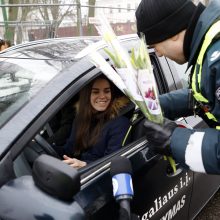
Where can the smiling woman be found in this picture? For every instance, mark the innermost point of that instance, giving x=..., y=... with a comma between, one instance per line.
x=101, y=95
x=97, y=129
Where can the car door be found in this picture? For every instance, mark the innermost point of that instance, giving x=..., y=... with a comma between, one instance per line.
x=156, y=195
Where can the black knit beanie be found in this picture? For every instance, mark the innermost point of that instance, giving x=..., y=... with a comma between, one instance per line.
x=162, y=19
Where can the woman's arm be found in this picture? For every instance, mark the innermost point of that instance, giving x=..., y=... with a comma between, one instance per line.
x=110, y=141
x=73, y=162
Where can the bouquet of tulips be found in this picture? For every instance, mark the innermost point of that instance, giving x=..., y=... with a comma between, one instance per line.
x=133, y=74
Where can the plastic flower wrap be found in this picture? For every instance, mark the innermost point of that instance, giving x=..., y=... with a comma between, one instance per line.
x=146, y=81
x=104, y=66
x=140, y=59
x=122, y=63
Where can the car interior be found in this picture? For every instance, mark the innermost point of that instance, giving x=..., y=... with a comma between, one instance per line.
x=57, y=130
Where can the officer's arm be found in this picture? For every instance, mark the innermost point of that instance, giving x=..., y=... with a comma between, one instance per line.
x=197, y=149
x=176, y=104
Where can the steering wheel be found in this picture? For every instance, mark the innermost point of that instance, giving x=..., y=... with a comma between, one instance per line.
x=46, y=146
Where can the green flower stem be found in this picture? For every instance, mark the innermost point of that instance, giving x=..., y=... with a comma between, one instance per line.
x=172, y=164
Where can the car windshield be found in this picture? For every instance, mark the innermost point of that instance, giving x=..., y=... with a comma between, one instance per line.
x=24, y=72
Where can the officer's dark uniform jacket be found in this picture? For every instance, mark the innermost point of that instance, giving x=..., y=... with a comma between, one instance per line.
x=199, y=149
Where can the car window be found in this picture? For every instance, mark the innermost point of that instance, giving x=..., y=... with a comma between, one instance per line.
x=25, y=72
x=52, y=137
x=181, y=70
x=47, y=139
x=55, y=132
x=18, y=84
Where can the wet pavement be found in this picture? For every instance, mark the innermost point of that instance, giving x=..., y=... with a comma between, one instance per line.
x=212, y=210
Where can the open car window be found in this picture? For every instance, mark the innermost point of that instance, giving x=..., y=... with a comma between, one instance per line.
x=57, y=129
x=51, y=138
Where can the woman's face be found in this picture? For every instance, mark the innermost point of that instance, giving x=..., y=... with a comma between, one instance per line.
x=100, y=97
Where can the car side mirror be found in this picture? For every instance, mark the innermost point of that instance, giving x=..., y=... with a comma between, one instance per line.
x=55, y=177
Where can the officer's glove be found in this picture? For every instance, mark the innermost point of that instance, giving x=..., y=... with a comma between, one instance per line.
x=159, y=136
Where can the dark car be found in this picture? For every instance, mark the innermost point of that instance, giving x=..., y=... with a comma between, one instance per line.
x=40, y=80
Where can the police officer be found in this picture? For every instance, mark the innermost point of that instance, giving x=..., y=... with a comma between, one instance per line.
x=184, y=32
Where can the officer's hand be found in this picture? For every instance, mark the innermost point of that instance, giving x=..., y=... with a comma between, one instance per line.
x=159, y=136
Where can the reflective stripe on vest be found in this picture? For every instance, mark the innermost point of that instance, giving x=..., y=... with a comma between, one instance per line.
x=196, y=78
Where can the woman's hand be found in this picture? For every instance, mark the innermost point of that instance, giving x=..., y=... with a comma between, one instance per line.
x=73, y=162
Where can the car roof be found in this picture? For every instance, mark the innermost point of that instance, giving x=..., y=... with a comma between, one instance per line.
x=58, y=48
x=63, y=46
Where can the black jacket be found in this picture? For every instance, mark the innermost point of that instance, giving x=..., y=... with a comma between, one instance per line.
x=196, y=149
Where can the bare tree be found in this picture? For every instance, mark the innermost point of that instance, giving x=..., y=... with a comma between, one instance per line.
x=53, y=16
x=16, y=15
x=12, y=16
x=91, y=13
x=23, y=13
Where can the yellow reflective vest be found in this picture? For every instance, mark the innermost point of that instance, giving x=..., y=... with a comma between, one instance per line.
x=197, y=72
